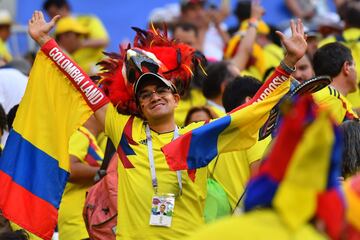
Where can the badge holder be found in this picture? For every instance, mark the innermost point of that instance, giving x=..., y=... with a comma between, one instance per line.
x=162, y=210
x=162, y=205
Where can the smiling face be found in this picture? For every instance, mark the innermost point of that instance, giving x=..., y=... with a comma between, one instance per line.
x=156, y=100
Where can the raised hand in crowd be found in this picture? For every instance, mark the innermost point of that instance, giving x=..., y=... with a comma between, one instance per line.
x=39, y=29
x=295, y=46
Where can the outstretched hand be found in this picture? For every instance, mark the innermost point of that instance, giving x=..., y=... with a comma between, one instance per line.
x=39, y=29
x=295, y=45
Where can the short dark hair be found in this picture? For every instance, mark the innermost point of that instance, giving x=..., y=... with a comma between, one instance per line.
x=58, y=3
x=330, y=58
x=351, y=150
x=242, y=10
x=217, y=73
x=187, y=27
x=237, y=90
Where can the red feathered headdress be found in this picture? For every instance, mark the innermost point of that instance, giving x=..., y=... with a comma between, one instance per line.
x=153, y=52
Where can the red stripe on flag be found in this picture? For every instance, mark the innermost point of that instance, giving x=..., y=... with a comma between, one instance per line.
x=179, y=162
x=284, y=148
x=25, y=209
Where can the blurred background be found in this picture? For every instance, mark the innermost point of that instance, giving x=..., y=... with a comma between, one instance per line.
x=119, y=16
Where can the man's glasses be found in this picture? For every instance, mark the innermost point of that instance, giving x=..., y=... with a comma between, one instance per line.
x=160, y=91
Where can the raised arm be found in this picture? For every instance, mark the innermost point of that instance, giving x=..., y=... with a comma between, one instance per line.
x=246, y=46
x=295, y=46
x=39, y=30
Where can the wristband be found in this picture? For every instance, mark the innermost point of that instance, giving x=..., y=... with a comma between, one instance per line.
x=286, y=68
x=253, y=22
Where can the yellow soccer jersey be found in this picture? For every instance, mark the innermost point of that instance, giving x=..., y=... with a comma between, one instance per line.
x=351, y=40
x=259, y=225
x=70, y=222
x=340, y=107
x=232, y=170
x=135, y=190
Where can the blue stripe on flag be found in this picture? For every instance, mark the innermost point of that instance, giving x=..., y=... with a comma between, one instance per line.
x=206, y=139
x=33, y=169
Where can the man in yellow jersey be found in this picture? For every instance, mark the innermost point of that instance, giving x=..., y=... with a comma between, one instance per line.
x=350, y=13
x=336, y=61
x=140, y=120
x=85, y=161
x=69, y=33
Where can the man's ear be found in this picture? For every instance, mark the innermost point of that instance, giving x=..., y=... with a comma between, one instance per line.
x=176, y=98
x=223, y=86
x=346, y=68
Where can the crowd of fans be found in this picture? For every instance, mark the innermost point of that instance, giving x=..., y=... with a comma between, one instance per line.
x=232, y=64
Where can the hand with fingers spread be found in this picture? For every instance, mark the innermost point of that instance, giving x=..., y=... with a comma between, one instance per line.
x=295, y=45
x=39, y=29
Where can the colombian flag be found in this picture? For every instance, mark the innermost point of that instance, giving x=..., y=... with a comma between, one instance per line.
x=299, y=177
x=235, y=131
x=34, y=166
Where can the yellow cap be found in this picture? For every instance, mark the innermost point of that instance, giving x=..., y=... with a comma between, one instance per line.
x=5, y=17
x=69, y=24
x=262, y=27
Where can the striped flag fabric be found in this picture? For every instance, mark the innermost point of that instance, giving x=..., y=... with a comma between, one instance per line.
x=34, y=166
x=235, y=131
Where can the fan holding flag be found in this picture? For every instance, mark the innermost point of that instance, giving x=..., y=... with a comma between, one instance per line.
x=144, y=84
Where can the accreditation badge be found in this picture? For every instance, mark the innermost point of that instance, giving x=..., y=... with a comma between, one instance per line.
x=162, y=210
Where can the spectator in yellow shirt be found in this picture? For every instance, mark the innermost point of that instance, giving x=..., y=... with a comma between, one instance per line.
x=5, y=31
x=335, y=60
x=96, y=38
x=85, y=161
x=350, y=12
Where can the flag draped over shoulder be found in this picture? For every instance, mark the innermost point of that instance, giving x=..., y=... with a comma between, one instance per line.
x=34, y=166
x=235, y=131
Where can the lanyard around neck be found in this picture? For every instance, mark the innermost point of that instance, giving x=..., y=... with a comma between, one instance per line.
x=152, y=162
